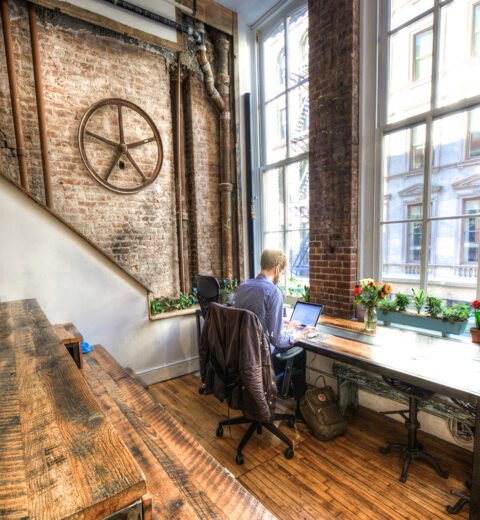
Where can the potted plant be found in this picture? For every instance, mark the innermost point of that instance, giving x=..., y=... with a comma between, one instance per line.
x=447, y=320
x=475, y=331
x=227, y=290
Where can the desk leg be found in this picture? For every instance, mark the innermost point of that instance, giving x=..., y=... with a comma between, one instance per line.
x=475, y=491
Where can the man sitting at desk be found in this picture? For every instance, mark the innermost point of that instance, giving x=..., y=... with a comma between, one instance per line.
x=261, y=296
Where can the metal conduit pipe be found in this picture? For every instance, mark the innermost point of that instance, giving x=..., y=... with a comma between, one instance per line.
x=180, y=173
x=42, y=126
x=157, y=18
x=221, y=100
x=12, y=81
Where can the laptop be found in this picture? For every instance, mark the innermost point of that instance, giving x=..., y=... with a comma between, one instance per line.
x=306, y=313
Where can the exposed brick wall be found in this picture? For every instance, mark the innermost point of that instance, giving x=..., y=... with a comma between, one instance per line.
x=334, y=127
x=82, y=64
x=203, y=177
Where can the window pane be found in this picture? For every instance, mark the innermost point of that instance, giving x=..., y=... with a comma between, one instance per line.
x=409, y=82
x=297, y=255
x=275, y=130
x=459, y=69
x=298, y=107
x=476, y=30
x=297, y=196
x=298, y=46
x=402, y=171
x=474, y=133
x=414, y=234
x=403, y=273
x=274, y=66
x=456, y=168
x=273, y=241
x=273, y=197
x=450, y=277
x=404, y=10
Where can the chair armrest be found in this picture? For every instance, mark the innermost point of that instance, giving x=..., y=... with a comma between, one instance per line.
x=290, y=353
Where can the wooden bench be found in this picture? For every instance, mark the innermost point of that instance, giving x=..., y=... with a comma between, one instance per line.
x=351, y=378
x=59, y=456
x=72, y=339
x=183, y=479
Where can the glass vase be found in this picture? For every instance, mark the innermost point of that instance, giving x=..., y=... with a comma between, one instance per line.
x=370, y=319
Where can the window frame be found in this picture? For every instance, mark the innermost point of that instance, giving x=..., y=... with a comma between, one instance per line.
x=475, y=53
x=261, y=30
x=414, y=51
x=374, y=126
x=463, y=231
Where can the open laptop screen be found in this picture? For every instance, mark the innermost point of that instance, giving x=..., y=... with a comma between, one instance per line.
x=306, y=313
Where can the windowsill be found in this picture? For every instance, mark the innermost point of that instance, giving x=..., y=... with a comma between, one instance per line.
x=173, y=314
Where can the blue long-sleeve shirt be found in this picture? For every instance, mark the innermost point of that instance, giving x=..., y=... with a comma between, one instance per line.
x=262, y=297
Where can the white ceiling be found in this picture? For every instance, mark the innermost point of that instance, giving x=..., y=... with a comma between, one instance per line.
x=249, y=10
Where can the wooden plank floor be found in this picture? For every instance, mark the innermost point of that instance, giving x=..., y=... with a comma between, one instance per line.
x=343, y=478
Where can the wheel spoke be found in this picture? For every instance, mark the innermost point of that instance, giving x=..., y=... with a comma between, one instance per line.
x=113, y=163
x=120, y=124
x=101, y=138
x=135, y=165
x=139, y=143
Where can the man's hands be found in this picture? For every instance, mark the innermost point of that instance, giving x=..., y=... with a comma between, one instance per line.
x=297, y=332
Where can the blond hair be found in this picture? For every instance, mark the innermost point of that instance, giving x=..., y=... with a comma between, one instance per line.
x=272, y=258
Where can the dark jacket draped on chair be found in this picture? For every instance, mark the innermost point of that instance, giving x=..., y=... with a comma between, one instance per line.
x=235, y=362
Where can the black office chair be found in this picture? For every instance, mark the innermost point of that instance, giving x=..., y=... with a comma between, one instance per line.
x=413, y=449
x=232, y=383
x=208, y=291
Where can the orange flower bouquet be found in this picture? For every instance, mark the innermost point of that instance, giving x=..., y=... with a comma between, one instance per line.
x=368, y=293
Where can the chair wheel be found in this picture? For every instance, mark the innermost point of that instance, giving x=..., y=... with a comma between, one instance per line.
x=291, y=423
x=289, y=453
x=219, y=432
x=239, y=459
x=201, y=390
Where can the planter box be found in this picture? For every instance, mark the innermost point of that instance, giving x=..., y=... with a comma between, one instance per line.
x=422, y=322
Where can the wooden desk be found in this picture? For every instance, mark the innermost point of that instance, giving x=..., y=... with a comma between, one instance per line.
x=444, y=366
x=59, y=455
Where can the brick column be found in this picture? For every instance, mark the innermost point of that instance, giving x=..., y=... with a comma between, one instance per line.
x=334, y=100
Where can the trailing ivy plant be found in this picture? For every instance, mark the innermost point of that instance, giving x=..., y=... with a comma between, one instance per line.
x=401, y=302
x=433, y=306
x=169, y=304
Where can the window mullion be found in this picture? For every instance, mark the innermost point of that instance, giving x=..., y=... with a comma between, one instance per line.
x=427, y=171
x=435, y=55
x=287, y=75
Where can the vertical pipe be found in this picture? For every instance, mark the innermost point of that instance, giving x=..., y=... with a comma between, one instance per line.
x=42, y=126
x=12, y=81
x=179, y=176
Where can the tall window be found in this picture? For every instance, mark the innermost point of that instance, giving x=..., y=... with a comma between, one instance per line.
x=427, y=115
x=476, y=30
x=414, y=239
x=284, y=147
x=471, y=231
x=474, y=133
x=422, y=58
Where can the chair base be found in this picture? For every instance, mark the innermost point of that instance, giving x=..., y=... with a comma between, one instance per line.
x=256, y=426
x=413, y=453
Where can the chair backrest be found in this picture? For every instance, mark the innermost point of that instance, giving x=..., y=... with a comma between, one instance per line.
x=208, y=291
x=233, y=349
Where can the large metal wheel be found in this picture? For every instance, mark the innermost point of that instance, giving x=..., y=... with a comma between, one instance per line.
x=121, y=172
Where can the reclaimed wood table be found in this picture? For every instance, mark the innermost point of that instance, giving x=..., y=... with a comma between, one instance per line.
x=59, y=455
x=444, y=366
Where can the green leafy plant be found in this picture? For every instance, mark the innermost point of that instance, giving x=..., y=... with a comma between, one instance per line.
x=228, y=286
x=169, y=304
x=418, y=299
x=457, y=312
x=401, y=301
x=306, y=293
x=433, y=306
x=387, y=306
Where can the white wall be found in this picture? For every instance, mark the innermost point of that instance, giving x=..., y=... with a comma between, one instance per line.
x=41, y=258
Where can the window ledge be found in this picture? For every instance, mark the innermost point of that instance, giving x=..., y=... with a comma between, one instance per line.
x=173, y=314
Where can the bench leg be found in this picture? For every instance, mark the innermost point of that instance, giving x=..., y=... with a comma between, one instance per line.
x=347, y=395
